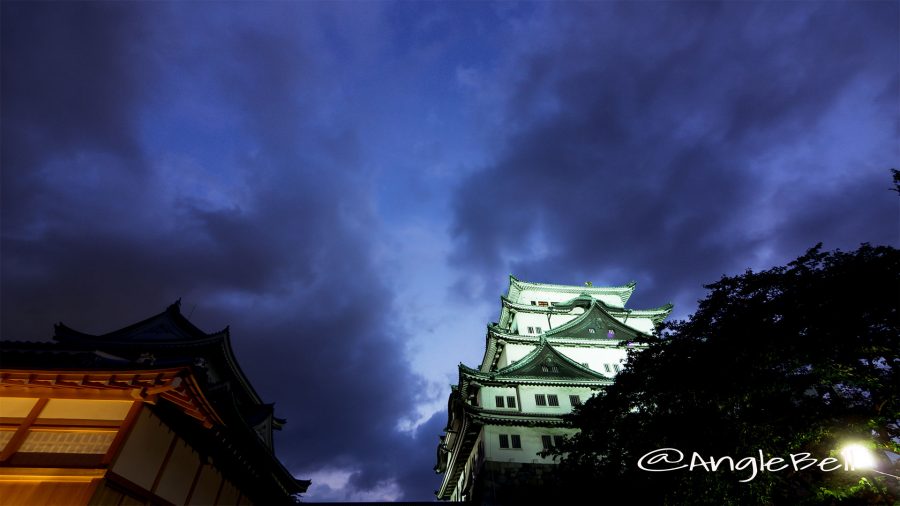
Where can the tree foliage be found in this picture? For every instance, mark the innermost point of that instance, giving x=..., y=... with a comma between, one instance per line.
x=799, y=358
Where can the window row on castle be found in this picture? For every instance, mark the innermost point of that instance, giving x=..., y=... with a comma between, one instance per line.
x=555, y=369
x=610, y=334
x=514, y=441
x=553, y=400
x=509, y=401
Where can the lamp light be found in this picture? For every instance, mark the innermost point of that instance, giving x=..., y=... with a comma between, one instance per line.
x=858, y=456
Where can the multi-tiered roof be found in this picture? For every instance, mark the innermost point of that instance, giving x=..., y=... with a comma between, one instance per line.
x=190, y=377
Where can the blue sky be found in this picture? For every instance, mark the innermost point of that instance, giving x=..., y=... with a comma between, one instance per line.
x=348, y=184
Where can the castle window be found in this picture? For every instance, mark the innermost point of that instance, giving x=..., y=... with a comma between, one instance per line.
x=616, y=367
x=553, y=400
x=557, y=441
x=499, y=400
x=510, y=441
x=543, y=303
x=540, y=399
x=533, y=303
x=531, y=330
x=592, y=331
x=575, y=400
x=537, y=330
x=606, y=367
x=511, y=401
x=547, y=441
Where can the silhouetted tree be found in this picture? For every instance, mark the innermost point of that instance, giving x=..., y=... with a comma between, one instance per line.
x=799, y=358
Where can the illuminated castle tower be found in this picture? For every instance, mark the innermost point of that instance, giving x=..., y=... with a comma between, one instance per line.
x=553, y=347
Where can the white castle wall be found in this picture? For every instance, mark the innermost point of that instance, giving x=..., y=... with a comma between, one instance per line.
x=529, y=294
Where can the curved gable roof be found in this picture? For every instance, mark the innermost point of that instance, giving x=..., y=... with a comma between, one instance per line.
x=594, y=323
x=543, y=362
x=546, y=362
x=170, y=326
x=162, y=338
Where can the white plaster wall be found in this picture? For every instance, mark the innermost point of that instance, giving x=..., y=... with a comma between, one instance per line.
x=143, y=452
x=528, y=295
x=487, y=397
x=595, y=357
x=179, y=473
x=642, y=324
x=558, y=320
x=531, y=443
x=610, y=300
x=514, y=352
x=525, y=320
x=525, y=401
x=528, y=404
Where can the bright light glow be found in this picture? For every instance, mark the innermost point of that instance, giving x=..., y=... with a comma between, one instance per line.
x=858, y=456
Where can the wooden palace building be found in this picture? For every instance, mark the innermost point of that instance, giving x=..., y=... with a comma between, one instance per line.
x=552, y=348
x=158, y=412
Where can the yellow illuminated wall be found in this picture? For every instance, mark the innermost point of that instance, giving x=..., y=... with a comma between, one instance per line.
x=80, y=451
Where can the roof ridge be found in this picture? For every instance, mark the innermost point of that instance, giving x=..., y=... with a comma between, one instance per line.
x=627, y=286
x=172, y=314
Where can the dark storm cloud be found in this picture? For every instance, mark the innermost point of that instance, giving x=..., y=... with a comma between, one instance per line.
x=98, y=232
x=58, y=104
x=78, y=99
x=247, y=157
x=643, y=142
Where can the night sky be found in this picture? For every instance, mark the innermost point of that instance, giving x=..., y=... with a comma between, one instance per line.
x=349, y=184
